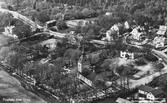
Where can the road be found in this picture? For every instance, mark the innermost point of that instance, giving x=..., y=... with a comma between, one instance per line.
x=20, y=17
x=29, y=22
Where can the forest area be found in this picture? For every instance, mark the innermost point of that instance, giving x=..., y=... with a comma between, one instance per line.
x=151, y=12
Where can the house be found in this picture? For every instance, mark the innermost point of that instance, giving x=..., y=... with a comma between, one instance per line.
x=115, y=27
x=159, y=41
x=162, y=30
x=9, y=32
x=151, y=94
x=126, y=55
x=114, y=30
x=126, y=25
x=108, y=35
x=137, y=33
x=108, y=13
x=50, y=23
x=121, y=100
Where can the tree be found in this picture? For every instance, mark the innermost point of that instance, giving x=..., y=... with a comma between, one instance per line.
x=108, y=21
x=6, y=19
x=141, y=19
x=16, y=22
x=29, y=69
x=136, y=7
x=90, y=31
x=159, y=66
x=88, y=13
x=55, y=13
x=160, y=82
x=17, y=61
x=150, y=57
x=72, y=55
x=61, y=25
x=22, y=31
x=106, y=64
x=43, y=16
x=17, y=3
x=140, y=62
x=124, y=72
x=58, y=62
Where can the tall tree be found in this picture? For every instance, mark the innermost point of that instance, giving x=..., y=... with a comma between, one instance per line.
x=22, y=31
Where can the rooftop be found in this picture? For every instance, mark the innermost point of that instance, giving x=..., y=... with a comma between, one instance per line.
x=146, y=88
x=155, y=92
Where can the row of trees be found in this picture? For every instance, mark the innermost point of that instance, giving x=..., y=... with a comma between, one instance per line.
x=52, y=75
x=20, y=29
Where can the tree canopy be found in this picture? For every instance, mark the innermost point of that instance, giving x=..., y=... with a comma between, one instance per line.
x=22, y=31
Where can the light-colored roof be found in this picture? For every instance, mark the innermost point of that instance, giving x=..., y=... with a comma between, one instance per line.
x=162, y=30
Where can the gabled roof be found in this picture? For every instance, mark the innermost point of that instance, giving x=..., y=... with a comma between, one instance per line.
x=146, y=88
x=155, y=92
x=162, y=30
x=158, y=93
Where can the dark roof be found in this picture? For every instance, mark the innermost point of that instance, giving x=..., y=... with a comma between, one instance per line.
x=158, y=93
x=146, y=88
x=155, y=92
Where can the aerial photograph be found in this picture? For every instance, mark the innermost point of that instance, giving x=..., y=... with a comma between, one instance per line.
x=83, y=51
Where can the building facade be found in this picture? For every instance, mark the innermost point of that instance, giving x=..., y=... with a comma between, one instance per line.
x=147, y=93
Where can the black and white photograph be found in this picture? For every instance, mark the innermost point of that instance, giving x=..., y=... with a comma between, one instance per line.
x=83, y=51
